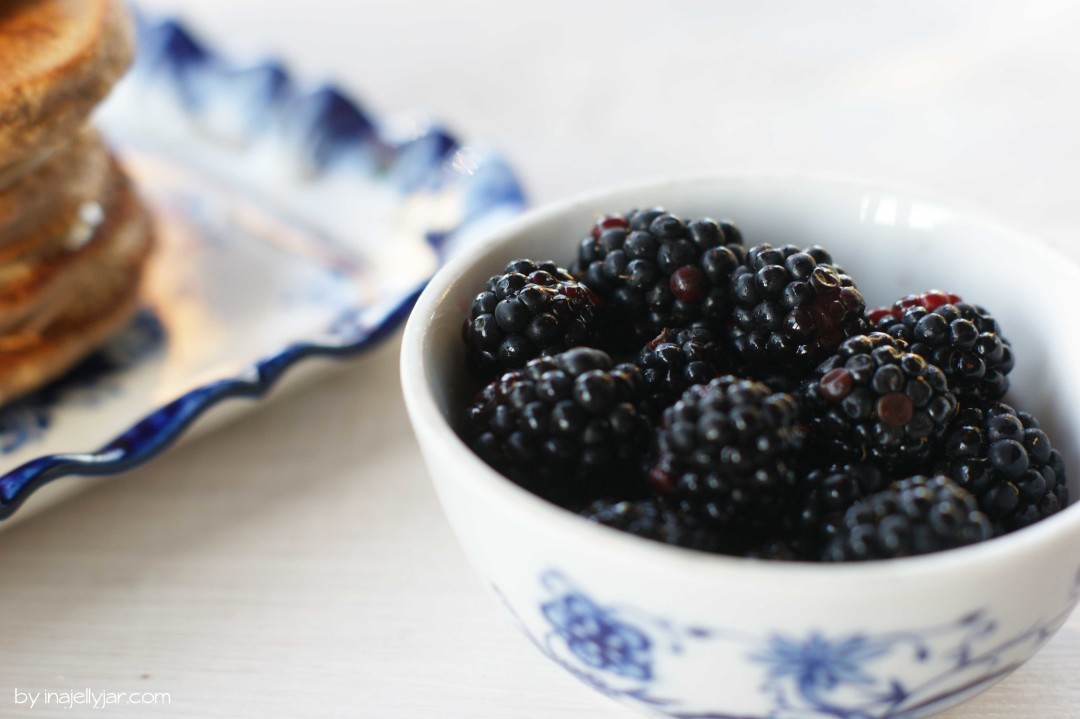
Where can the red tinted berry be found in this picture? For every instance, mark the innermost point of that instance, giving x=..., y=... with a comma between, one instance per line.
x=934, y=298
x=895, y=409
x=608, y=222
x=904, y=302
x=836, y=384
x=929, y=300
x=689, y=284
x=878, y=313
x=660, y=480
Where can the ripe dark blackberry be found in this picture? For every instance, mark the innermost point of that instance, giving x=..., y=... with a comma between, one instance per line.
x=728, y=450
x=792, y=308
x=656, y=270
x=676, y=359
x=652, y=518
x=566, y=426
x=1005, y=460
x=918, y=515
x=532, y=309
x=874, y=401
x=826, y=495
x=963, y=340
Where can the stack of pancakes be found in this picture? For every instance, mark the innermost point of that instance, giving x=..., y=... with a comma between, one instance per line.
x=74, y=237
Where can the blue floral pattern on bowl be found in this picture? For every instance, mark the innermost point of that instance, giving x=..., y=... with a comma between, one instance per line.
x=292, y=224
x=632, y=656
x=599, y=638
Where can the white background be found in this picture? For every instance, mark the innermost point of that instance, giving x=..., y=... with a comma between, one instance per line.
x=296, y=564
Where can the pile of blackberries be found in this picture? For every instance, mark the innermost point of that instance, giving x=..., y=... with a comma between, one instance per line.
x=679, y=385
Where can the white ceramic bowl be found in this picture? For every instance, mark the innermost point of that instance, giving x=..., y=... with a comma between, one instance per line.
x=689, y=634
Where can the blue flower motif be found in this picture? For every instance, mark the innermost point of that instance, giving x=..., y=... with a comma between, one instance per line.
x=600, y=639
x=810, y=675
x=143, y=336
x=818, y=663
x=21, y=422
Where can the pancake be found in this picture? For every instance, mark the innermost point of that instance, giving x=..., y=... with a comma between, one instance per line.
x=37, y=209
x=99, y=296
x=33, y=291
x=125, y=240
x=58, y=60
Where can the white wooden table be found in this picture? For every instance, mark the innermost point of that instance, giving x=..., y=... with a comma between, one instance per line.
x=296, y=564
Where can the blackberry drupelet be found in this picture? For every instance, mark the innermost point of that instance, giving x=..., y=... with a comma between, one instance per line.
x=532, y=309
x=1005, y=460
x=918, y=515
x=728, y=450
x=963, y=340
x=792, y=308
x=826, y=494
x=566, y=426
x=876, y=402
x=655, y=270
x=676, y=359
x=653, y=518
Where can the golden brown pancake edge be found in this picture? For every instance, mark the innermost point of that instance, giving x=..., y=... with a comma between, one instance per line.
x=58, y=61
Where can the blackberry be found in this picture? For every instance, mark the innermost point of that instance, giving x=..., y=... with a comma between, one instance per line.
x=792, y=308
x=728, y=450
x=655, y=270
x=773, y=549
x=963, y=340
x=566, y=426
x=827, y=493
x=676, y=359
x=918, y=515
x=532, y=309
x=929, y=300
x=874, y=401
x=652, y=518
x=1005, y=460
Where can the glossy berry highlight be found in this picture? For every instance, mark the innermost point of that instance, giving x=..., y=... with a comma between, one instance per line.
x=531, y=309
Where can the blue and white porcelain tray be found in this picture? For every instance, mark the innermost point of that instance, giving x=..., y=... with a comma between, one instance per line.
x=291, y=224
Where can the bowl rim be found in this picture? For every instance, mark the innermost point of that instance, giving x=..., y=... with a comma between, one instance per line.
x=424, y=412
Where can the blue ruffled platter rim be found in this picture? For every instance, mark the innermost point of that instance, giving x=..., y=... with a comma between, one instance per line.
x=174, y=54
